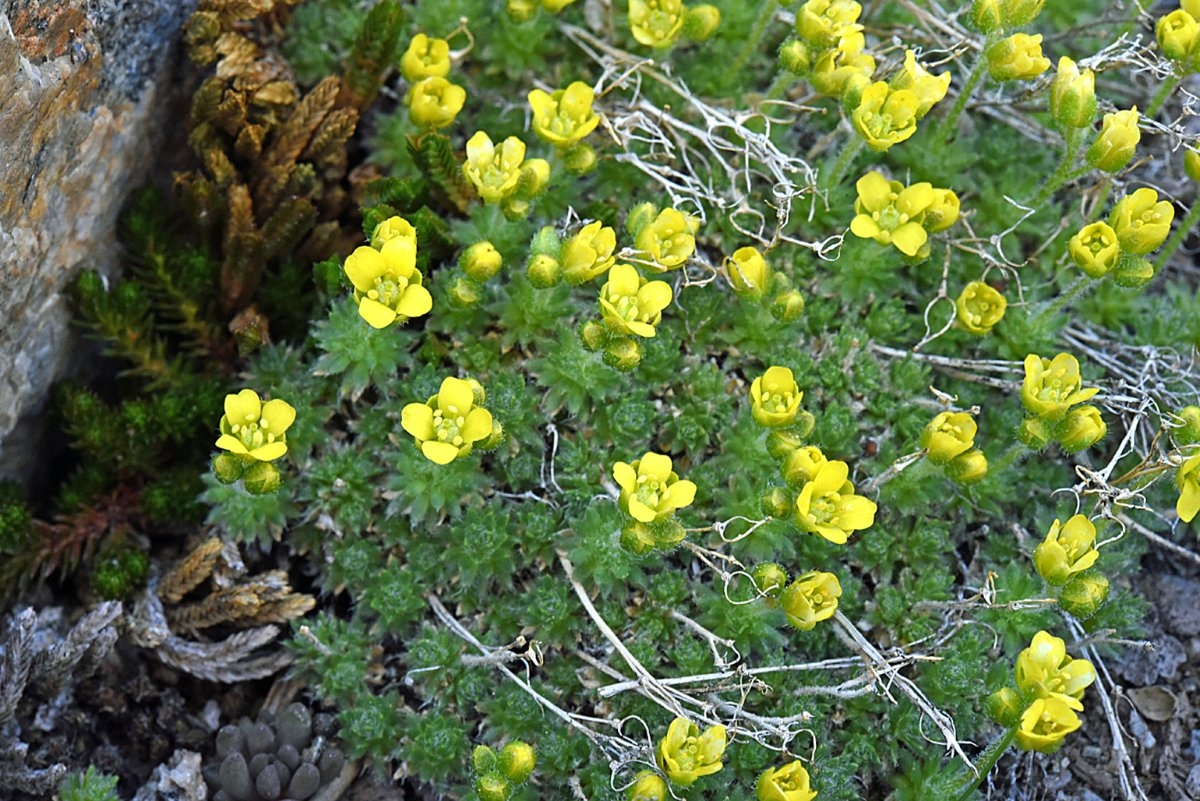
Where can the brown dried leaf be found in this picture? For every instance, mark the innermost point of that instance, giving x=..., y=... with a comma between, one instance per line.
x=276, y=93
x=231, y=660
x=188, y=573
x=249, y=142
x=295, y=133
x=329, y=142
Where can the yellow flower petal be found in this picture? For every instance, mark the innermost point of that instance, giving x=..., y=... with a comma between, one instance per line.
x=455, y=397
x=909, y=238
x=655, y=466
x=679, y=495
x=623, y=280
x=654, y=297
x=477, y=426
x=400, y=255
x=1189, y=501
x=229, y=443
x=375, y=313
x=270, y=451
x=363, y=266
x=640, y=511
x=439, y=452
x=277, y=415
x=415, y=301
x=242, y=408
x=417, y=419
x=644, y=330
x=625, y=476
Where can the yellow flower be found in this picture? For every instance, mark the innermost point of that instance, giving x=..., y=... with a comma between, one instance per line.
x=669, y=239
x=1115, y=145
x=425, y=58
x=435, y=102
x=775, y=398
x=494, y=172
x=828, y=507
x=650, y=489
x=387, y=283
x=748, y=272
x=255, y=429
x=1082, y=428
x=980, y=307
x=1187, y=478
x=656, y=23
x=788, y=783
x=647, y=786
x=1095, y=249
x=885, y=116
x=1067, y=550
x=948, y=435
x=1045, y=724
x=449, y=424
x=810, y=599
x=942, y=212
x=392, y=228
x=1045, y=671
x=802, y=464
x=1051, y=388
x=929, y=88
x=1017, y=58
x=555, y=6
x=1073, y=95
x=891, y=213
x=1141, y=221
x=822, y=23
x=565, y=117
x=967, y=468
x=631, y=305
x=844, y=68
x=1178, y=35
x=685, y=754
x=589, y=253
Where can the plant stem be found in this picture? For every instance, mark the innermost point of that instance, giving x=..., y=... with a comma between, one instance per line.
x=1014, y=452
x=1181, y=232
x=1063, y=172
x=976, y=75
x=1164, y=92
x=1081, y=285
x=755, y=37
x=987, y=760
x=845, y=159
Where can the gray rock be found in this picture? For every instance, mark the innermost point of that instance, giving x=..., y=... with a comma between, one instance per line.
x=1178, y=602
x=81, y=113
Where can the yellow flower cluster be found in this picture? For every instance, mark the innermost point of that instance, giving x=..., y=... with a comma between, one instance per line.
x=902, y=216
x=752, y=279
x=787, y=783
x=1052, y=684
x=887, y=113
x=651, y=493
x=685, y=754
x=452, y=422
x=979, y=307
x=828, y=48
x=1017, y=58
x=502, y=174
x=563, y=118
x=827, y=505
x=660, y=23
x=433, y=102
x=994, y=16
x=1050, y=390
x=254, y=434
x=666, y=238
x=1139, y=224
x=949, y=442
x=1178, y=35
x=387, y=284
x=1067, y=550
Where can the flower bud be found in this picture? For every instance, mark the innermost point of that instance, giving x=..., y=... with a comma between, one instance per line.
x=1005, y=706
x=593, y=335
x=637, y=538
x=1034, y=432
x=967, y=468
x=492, y=786
x=802, y=464
x=229, y=467
x=483, y=759
x=1018, y=13
x=1094, y=249
x=639, y=217
x=623, y=353
x=464, y=292
x=810, y=599
x=1082, y=428
x=543, y=271
x=517, y=761
x=701, y=22
x=535, y=174
x=481, y=261
x=425, y=58
x=979, y=307
x=1084, y=594
x=261, y=478
x=493, y=439
x=1188, y=433
x=748, y=273
x=1142, y=221
x=769, y=578
x=777, y=503
x=1067, y=550
x=1073, y=95
x=392, y=228
x=1115, y=145
x=1191, y=163
x=520, y=10
x=942, y=211
x=986, y=16
x=795, y=57
x=948, y=435
x=1132, y=272
x=647, y=786
x=579, y=158
x=1017, y=58
x=781, y=443
x=667, y=533
x=1178, y=35
x=788, y=306
x=435, y=102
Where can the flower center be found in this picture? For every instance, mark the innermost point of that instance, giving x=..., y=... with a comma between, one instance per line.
x=890, y=218
x=449, y=429
x=627, y=307
x=778, y=401
x=254, y=434
x=649, y=491
x=388, y=290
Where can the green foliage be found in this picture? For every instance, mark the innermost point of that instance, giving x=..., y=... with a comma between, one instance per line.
x=90, y=785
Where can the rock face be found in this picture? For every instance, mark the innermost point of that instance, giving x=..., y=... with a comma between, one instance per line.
x=82, y=84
